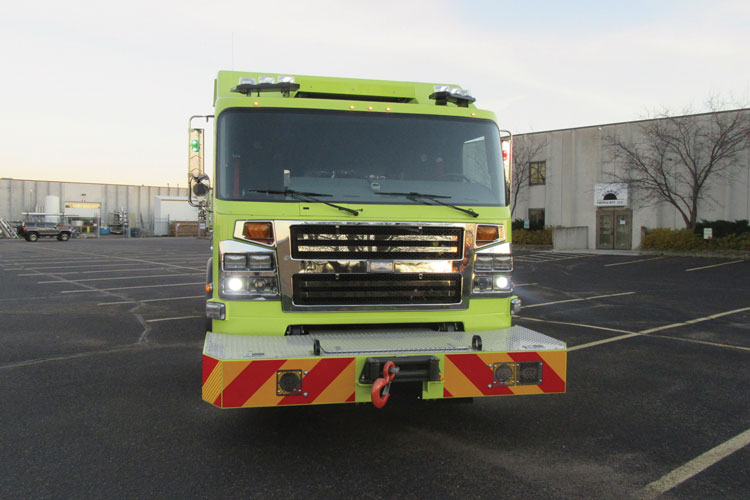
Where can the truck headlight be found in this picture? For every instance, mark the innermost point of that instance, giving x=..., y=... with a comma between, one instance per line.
x=235, y=284
x=501, y=283
x=262, y=286
x=483, y=263
x=248, y=262
x=493, y=262
x=247, y=272
x=260, y=262
x=235, y=261
x=488, y=283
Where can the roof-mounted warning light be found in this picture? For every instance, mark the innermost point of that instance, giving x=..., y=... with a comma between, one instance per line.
x=444, y=94
x=248, y=85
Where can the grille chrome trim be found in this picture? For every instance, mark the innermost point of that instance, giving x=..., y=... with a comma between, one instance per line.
x=349, y=241
x=289, y=266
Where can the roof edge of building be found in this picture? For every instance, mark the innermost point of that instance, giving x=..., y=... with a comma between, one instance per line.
x=611, y=124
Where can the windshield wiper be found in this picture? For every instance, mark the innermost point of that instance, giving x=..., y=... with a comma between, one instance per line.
x=432, y=197
x=305, y=196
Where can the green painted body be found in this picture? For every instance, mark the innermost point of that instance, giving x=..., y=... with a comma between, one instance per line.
x=247, y=317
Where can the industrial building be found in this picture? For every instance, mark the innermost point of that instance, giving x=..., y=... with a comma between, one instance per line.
x=149, y=210
x=570, y=186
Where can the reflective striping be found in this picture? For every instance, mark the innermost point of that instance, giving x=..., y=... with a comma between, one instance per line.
x=477, y=372
x=457, y=384
x=342, y=388
x=315, y=382
x=266, y=394
x=209, y=364
x=470, y=375
x=554, y=379
x=234, y=384
x=551, y=381
x=211, y=389
x=246, y=378
x=253, y=383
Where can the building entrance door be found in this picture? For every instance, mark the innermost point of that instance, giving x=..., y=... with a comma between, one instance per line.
x=614, y=229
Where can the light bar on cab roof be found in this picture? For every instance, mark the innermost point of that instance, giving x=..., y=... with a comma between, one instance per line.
x=444, y=94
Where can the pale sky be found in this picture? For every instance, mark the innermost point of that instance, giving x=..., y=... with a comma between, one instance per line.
x=97, y=91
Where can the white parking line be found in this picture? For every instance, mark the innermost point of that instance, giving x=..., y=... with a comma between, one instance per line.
x=632, y=262
x=693, y=321
x=151, y=300
x=577, y=300
x=117, y=278
x=97, y=272
x=131, y=287
x=46, y=268
x=603, y=341
x=705, y=342
x=715, y=265
x=171, y=319
x=694, y=467
x=143, y=261
x=577, y=324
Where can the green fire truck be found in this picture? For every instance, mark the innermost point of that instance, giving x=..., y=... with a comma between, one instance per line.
x=361, y=246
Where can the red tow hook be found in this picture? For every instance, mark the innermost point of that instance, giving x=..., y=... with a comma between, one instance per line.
x=379, y=399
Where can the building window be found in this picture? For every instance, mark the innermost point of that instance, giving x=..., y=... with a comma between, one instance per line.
x=537, y=173
x=536, y=218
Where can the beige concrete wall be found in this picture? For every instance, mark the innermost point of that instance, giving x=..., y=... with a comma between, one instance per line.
x=577, y=159
x=23, y=195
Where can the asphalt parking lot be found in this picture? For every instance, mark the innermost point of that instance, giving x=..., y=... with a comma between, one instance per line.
x=100, y=383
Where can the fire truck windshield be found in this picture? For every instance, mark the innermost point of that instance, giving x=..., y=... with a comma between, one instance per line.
x=354, y=156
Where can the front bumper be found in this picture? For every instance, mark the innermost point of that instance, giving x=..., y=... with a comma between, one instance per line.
x=241, y=371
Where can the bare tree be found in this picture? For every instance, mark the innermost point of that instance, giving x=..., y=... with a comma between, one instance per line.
x=674, y=159
x=526, y=149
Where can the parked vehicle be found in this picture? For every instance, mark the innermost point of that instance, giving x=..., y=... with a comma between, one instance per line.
x=36, y=231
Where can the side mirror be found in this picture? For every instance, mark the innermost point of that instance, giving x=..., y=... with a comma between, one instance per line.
x=506, y=150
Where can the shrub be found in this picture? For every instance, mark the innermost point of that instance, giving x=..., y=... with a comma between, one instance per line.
x=685, y=239
x=532, y=237
x=672, y=239
x=723, y=228
x=731, y=242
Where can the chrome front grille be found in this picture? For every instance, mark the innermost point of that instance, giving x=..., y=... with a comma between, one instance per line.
x=376, y=288
x=355, y=242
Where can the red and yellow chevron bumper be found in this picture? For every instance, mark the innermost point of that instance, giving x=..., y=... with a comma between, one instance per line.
x=325, y=378
x=243, y=384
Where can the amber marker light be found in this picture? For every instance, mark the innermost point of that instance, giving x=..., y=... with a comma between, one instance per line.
x=487, y=234
x=262, y=232
x=209, y=287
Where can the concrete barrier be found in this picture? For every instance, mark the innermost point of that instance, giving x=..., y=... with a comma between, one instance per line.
x=570, y=238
